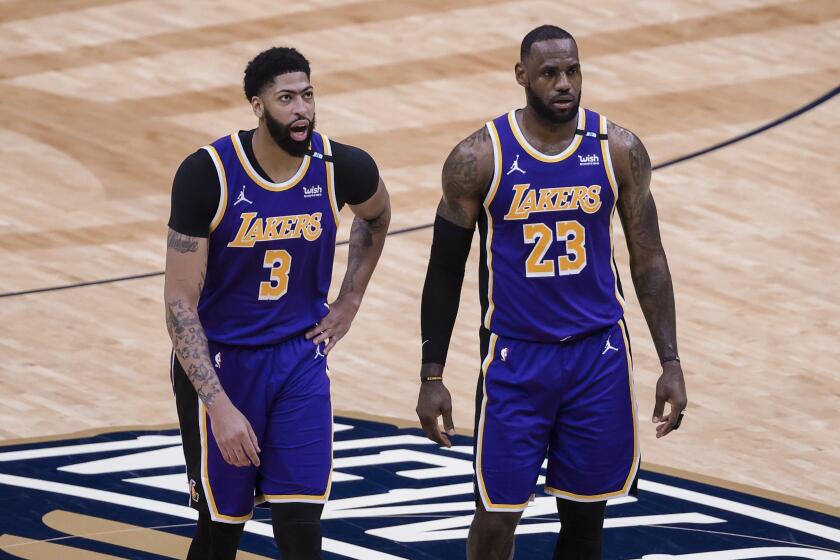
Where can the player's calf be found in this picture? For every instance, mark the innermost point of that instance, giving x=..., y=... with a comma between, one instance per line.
x=491, y=534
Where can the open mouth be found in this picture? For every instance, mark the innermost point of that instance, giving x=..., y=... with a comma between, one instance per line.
x=299, y=130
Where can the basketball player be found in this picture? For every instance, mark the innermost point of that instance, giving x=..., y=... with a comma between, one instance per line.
x=248, y=268
x=543, y=183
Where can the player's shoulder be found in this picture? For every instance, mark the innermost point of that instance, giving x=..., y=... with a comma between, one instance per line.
x=629, y=156
x=622, y=140
x=354, y=159
x=469, y=166
x=198, y=162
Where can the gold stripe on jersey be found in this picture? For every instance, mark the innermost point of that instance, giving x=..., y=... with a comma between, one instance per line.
x=605, y=153
x=485, y=497
x=491, y=193
x=634, y=466
x=252, y=173
x=205, y=476
x=535, y=153
x=330, y=177
x=223, y=197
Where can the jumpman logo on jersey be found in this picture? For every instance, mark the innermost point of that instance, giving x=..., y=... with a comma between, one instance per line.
x=241, y=197
x=609, y=347
x=218, y=360
x=515, y=166
x=318, y=352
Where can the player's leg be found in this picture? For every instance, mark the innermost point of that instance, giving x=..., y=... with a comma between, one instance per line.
x=594, y=452
x=297, y=530
x=223, y=494
x=491, y=534
x=296, y=467
x=515, y=419
x=214, y=540
x=581, y=525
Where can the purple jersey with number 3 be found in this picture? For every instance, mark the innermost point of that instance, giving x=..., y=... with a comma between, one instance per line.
x=548, y=268
x=271, y=249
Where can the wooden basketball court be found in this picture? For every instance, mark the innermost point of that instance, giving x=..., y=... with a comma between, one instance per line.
x=102, y=99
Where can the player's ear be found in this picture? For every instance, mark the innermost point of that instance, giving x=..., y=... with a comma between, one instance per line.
x=521, y=75
x=257, y=106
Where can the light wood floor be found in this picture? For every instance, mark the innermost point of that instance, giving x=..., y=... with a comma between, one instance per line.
x=101, y=99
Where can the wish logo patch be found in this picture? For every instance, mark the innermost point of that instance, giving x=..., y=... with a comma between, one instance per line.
x=395, y=496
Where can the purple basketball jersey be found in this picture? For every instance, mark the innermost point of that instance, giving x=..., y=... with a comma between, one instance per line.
x=271, y=248
x=548, y=271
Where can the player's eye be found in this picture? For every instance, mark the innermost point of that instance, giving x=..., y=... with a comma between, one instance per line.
x=309, y=94
x=548, y=72
x=285, y=98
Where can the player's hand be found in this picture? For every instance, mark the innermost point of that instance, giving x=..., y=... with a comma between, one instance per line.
x=233, y=433
x=335, y=325
x=434, y=401
x=671, y=389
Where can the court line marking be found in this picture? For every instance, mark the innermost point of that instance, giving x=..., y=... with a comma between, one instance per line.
x=714, y=147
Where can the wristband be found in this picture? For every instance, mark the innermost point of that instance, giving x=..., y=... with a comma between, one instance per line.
x=425, y=378
x=667, y=359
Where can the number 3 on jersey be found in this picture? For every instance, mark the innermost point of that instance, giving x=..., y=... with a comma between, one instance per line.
x=541, y=236
x=279, y=261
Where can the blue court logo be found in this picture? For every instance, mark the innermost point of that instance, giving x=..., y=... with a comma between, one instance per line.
x=396, y=495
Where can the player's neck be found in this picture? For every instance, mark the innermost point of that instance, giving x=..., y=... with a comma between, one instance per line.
x=279, y=164
x=543, y=133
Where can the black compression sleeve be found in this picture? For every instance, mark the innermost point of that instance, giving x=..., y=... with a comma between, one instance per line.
x=356, y=174
x=442, y=290
x=195, y=195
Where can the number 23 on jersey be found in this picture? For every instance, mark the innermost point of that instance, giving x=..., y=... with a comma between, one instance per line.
x=542, y=235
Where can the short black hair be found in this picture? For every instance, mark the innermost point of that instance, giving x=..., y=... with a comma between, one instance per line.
x=542, y=33
x=268, y=65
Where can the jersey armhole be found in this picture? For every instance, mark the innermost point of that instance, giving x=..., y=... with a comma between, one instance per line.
x=223, y=187
x=497, y=164
x=328, y=162
x=605, y=153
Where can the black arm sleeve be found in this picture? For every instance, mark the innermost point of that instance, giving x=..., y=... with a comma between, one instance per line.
x=442, y=290
x=356, y=174
x=195, y=195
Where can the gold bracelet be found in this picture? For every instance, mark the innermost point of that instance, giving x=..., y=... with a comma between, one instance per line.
x=431, y=378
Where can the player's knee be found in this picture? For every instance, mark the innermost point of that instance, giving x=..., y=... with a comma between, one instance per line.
x=583, y=519
x=494, y=526
x=297, y=530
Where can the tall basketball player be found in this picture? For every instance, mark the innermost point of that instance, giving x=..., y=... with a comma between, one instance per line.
x=543, y=184
x=248, y=267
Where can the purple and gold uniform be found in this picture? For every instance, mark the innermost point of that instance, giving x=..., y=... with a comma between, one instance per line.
x=269, y=265
x=557, y=371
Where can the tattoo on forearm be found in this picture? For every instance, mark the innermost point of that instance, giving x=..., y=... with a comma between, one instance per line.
x=181, y=243
x=362, y=235
x=190, y=344
x=656, y=298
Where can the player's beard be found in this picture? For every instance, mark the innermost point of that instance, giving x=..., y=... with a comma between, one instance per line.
x=549, y=114
x=280, y=133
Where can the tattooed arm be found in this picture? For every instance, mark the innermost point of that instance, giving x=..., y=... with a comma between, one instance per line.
x=466, y=174
x=367, y=238
x=186, y=265
x=649, y=269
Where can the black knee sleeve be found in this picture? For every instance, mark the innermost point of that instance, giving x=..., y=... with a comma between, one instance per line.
x=297, y=530
x=581, y=527
x=214, y=540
